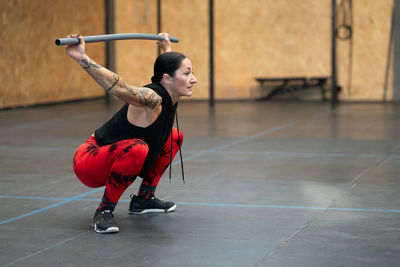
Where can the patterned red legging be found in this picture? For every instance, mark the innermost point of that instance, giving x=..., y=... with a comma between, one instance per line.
x=116, y=166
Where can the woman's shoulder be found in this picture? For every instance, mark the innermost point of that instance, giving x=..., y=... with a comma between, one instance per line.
x=159, y=89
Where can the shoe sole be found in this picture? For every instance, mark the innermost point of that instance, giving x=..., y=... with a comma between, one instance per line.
x=152, y=210
x=109, y=230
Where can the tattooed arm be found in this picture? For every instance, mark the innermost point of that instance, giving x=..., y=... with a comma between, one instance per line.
x=115, y=85
x=112, y=82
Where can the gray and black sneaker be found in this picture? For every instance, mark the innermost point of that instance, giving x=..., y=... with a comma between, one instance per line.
x=153, y=204
x=103, y=222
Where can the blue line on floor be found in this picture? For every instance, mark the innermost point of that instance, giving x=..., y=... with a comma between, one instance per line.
x=313, y=154
x=34, y=198
x=285, y=207
x=231, y=205
x=283, y=126
x=48, y=207
x=242, y=140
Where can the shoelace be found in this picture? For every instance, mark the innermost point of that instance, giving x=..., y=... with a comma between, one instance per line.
x=107, y=216
x=108, y=212
x=180, y=151
x=157, y=201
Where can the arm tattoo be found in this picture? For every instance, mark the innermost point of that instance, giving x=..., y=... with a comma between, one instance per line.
x=89, y=63
x=116, y=78
x=145, y=97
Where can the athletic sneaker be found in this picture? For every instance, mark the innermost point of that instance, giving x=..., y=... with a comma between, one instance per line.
x=153, y=204
x=103, y=222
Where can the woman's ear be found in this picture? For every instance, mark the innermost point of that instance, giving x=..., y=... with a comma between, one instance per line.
x=166, y=78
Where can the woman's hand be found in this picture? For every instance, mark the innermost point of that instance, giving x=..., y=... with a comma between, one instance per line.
x=165, y=45
x=76, y=51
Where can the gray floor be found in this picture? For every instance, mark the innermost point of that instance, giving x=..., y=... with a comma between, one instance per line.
x=268, y=184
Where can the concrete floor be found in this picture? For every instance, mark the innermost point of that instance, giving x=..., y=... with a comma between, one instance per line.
x=268, y=184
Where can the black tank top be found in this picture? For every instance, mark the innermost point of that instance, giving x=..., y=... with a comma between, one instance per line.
x=155, y=135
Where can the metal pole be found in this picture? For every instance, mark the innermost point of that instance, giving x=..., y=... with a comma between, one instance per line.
x=396, y=59
x=333, y=57
x=110, y=46
x=158, y=22
x=389, y=56
x=211, y=32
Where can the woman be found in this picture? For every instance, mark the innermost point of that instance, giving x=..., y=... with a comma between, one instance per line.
x=139, y=140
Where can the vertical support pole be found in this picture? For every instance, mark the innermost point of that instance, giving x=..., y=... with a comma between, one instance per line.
x=389, y=57
x=396, y=59
x=158, y=22
x=110, y=46
x=333, y=56
x=211, y=32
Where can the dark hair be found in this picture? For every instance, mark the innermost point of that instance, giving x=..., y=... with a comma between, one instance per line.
x=167, y=63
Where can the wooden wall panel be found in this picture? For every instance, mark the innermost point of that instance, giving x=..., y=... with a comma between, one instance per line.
x=33, y=70
x=252, y=38
x=268, y=38
x=279, y=39
x=135, y=58
x=370, y=48
x=186, y=19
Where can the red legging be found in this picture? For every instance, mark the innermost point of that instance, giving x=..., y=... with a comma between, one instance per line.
x=116, y=166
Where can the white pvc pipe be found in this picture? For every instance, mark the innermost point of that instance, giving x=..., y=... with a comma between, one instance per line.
x=114, y=37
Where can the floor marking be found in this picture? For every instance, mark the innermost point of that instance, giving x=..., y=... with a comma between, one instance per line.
x=227, y=205
x=34, y=198
x=320, y=115
x=47, y=207
x=200, y=154
x=359, y=176
x=287, y=207
x=318, y=154
x=45, y=249
x=214, y=149
x=376, y=165
x=286, y=241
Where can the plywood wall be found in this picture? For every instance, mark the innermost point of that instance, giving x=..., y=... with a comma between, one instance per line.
x=254, y=38
x=371, y=34
x=34, y=70
x=186, y=19
x=134, y=58
x=268, y=38
x=263, y=38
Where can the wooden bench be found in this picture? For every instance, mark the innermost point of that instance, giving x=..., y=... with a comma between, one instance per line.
x=291, y=84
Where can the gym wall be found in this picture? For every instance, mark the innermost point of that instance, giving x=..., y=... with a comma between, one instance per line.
x=268, y=38
x=34, y=70
x=260, y=38
x=186, y=19
x=371, y=34
x=255, y=38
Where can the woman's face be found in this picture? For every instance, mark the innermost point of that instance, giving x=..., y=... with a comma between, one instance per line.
x=184, y=79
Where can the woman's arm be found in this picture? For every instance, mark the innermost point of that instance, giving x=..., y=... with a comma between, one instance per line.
x=110, y=81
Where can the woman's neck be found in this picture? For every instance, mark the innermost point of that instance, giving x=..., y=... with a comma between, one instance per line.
x=174, y=97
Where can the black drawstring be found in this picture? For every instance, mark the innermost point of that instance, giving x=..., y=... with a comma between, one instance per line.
x=180, y=145
x=170, y=156
x=180, y=151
